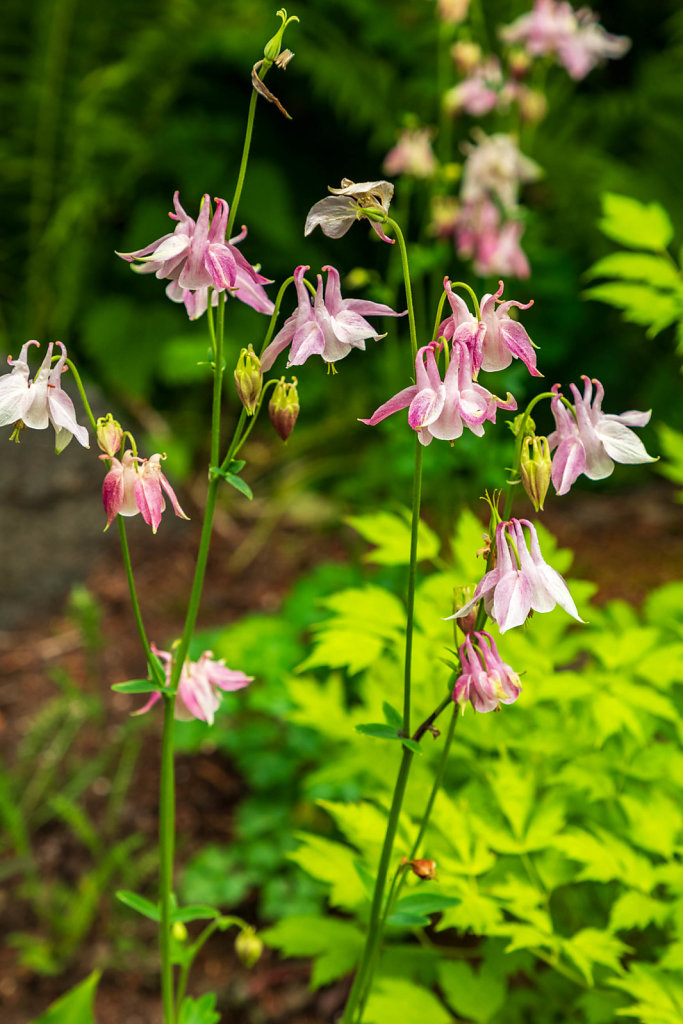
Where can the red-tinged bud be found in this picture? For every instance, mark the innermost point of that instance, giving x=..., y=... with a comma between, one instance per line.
x=535, y=466
x=424, y=869
x=248, y=947
x=249, y=379
x=519, y=63
x=461, y=597
x=283, y=408
x=109, y=435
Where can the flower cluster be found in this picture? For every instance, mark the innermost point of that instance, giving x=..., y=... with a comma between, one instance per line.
x=199, y=686
x=590, y=441
x=486, y=680
x=329, y=327
x=41, y=401
x=521, y=582
x=574, y=38
x=196, y=256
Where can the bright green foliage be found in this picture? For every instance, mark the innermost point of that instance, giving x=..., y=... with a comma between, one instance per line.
x=76, y=1007
x=557, y=831
x=391, y=533
x=199, y=1011
x=637, y=225
x=335, y=944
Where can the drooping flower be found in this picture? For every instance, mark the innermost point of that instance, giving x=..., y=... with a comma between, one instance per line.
x=135, y=485
x=441, y=409
x=575, y=38
x=591, y=441
x=494, y=169
x=480, y=92
x=521, y=582
x=329, y=327
x=199, y=686
x=412, y=155
x=336, y=213
x=486, y=680
x=196, y=256
x=41, y=401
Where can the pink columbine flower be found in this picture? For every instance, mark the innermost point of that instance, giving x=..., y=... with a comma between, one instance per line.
x=494, y=169
x=135, y=485
x=486, y=680
x=575, y=38
x=335, y=214
x=591, y=441
x=199, y=686
x=521, y=581
x=329, y=327
x=442, y=408
x=497, y=339
x=412, y=154
x=492, y=241
x=196, y=256
x=38, y=402
x=478, y=93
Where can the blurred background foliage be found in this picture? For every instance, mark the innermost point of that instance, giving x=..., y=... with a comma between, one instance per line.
x=108, y=109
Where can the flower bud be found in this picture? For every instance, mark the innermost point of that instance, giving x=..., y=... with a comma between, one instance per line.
x=519, y=63
x=249, y=379
x=535, y=466
x=461, y=597
x=248, y=946
x=283, y=408
x=109, y=435
x=425, y=869
x=179, y=931
x=466, y=56
x=271, y=51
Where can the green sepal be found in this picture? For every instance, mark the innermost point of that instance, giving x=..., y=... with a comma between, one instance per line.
x=141, y=686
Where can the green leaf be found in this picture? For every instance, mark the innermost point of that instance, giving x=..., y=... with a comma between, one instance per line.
x=76, y=1007
x=659, y=995
x=237, y=482
x=392, y=716
x=139, y=903
x=639, y=303
x=634, y=224
x=637, y=910
x=199, y=1011
x=476, y=995
x=395, y=999
x=591, y=946
x=334, y=864
x=638, y=266
x=378, y=729
x=408, y=919
x=336, y=945
x=390, y=531
x=140, y=686
x=412, y=745
x=426, y=903
x=194, y=912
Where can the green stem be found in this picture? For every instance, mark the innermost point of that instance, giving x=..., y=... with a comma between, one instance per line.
x=166, y=853
x=412, y=576
x=362, y=980
x=81, y=390
x=475, y=300
x=203, y=937
x=406, y=280
x=265, y=67
x=152, y=660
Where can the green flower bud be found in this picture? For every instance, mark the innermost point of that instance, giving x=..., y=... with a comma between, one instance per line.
x=109, y=435
x=249, y=379
x=248, y=947
x=272, y=48
x=535, y=466
x=284, y=407
x=179, y=931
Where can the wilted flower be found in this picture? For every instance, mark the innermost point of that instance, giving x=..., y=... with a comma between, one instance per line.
x=521, y=581
x=442, y=408
x=336, y=213
x=135, y=485
x=575, y=38
x=38, y=402
x=197, y=256
x=486, y=680
x=199, y=686
x=329, y=327
x=591, y=441
x=412, y=155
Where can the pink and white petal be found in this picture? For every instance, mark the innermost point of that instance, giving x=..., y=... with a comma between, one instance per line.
x=150, y=704
x=352, y=329
x=426, y=407
x=367, y=308
x=63, y=417
x=219, y=222
x=149, y=498
x=399, y=401
x=146, y=250
x=632, y=418
x=220, y=263
x=569, y=462
x=308, y=340
x=15, y=397
x=512, y=600
x=112, y=491
x=172, y=497
x=251, y=293
x=279, y=343
x=333, y=214
x=621, y=444
x=519, y=344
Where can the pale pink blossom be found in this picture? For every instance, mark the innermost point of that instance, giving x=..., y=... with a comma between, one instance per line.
x=441, y=409
x=412, y=155
x=521, y=581
x=590, y=441
x=196, y=256
x=495, y=168
x=491, y=242
x=199, y=687
x=39, y=402
x=486, y=680
x=478, y=93
x=329, y=327
x=134, y=485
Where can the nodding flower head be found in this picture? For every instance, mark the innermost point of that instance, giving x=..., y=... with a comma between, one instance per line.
x=486, y=680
